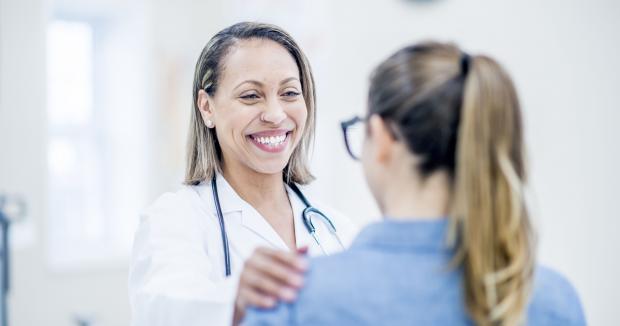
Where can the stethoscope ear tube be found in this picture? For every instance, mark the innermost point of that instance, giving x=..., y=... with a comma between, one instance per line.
x=299, y=194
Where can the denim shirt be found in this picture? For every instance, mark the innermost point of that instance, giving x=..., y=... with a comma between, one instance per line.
x=398, y=273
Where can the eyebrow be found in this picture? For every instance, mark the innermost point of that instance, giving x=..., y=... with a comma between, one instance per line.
x=257, y=83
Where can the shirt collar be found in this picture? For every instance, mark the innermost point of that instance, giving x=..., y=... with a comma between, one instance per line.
x=408, y=235
x=230, y=201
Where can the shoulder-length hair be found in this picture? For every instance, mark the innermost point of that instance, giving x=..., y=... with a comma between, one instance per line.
x=204, y=154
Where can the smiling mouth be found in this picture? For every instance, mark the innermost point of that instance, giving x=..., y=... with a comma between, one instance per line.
x=272, y=142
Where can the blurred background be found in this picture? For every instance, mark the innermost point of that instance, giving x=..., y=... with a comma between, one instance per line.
x=95, y=99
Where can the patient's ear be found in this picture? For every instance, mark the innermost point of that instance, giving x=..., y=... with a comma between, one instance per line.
x=381, y=139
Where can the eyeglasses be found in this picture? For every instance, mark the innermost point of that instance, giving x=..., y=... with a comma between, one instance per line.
x=354, y=131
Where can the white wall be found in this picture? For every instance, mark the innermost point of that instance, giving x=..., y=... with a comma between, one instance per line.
x=563, y=56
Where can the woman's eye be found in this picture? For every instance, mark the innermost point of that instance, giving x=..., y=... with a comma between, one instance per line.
x=249, y=96
x=291, y=94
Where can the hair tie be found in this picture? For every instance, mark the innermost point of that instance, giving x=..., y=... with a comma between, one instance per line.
x=465, y=59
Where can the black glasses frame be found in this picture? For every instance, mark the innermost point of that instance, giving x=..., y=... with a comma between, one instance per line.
x=345, y=125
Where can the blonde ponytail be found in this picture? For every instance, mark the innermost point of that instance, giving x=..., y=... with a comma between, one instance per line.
x=491, y=223
x=461, y=114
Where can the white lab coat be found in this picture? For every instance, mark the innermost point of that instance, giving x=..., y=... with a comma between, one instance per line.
x=176, y=275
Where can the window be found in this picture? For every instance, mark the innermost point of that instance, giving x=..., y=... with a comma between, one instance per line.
x=96, y=143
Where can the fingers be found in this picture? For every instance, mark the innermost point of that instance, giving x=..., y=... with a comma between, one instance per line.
x=289, y=259
x=251, y=297
x=274, y=267
x=271, y=288
x=302, y=250
x=270, y=275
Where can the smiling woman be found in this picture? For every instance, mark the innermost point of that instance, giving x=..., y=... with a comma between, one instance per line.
x=259, y=108
x=262, y=51
x=230, y=237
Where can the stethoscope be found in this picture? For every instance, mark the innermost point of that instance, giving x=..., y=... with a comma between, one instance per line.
x=306, y=215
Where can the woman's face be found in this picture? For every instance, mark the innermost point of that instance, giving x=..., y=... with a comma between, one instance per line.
x=258, y=109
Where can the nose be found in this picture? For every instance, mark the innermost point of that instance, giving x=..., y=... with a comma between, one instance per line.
x=273, y=113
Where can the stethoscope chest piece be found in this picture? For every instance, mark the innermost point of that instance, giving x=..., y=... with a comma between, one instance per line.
x=307, y=215
x=309, y=212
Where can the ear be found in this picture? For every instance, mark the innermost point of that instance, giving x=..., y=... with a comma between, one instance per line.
x=381, y=138
x=205, y=105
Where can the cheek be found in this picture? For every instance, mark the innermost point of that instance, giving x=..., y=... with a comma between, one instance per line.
x=232, y=122
x=299, y=114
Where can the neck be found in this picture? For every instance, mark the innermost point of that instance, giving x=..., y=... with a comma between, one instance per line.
x=258, y=189
x=407, y=199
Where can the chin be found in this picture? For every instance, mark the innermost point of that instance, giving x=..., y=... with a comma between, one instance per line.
x=269, y=167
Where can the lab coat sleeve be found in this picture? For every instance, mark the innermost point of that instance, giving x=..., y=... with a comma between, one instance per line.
x=171, y=280
x=282, y=314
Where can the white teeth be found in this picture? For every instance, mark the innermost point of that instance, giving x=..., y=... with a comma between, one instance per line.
x=272, y=140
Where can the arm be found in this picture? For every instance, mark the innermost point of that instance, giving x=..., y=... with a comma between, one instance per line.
x=172, y=280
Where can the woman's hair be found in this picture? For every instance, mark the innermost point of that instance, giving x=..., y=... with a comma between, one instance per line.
x=461, y=114
x=204, y=154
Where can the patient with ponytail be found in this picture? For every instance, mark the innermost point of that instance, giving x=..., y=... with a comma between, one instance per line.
x=443, y=154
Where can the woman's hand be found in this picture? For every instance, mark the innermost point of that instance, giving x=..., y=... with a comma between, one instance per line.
x=269, y=276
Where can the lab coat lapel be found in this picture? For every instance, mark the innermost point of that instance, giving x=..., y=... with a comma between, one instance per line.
x=251, y=220
x=254, y=222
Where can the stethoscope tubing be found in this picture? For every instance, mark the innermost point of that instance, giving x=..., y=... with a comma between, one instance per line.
x=306, y=216
x=220, y=217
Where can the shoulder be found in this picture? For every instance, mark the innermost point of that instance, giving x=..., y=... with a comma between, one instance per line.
x=555, y=299
x=181, y=198
x=282, y=314
x=181, y=208
x=324, y=279
x=330, y=276
x=184, y=199
x=166, y=202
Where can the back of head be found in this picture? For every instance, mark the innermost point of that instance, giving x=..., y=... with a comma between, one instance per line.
x=461, y=113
